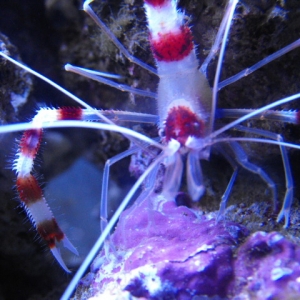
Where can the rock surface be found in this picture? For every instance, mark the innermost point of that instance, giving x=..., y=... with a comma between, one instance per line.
x=161, y=251
x=267, y=267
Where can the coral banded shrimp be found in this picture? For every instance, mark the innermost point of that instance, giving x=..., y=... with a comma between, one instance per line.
x=174, y=145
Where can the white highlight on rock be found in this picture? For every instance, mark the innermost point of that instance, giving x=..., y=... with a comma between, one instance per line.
x=278, y=273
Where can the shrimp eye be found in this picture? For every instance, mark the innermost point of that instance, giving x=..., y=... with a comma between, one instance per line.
x=196, y=126
x=161, y=133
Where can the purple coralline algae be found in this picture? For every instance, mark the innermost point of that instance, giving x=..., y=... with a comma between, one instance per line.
x=267, y=267
x=161, y=251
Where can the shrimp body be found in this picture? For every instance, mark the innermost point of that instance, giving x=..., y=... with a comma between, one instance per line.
x=183, y=95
